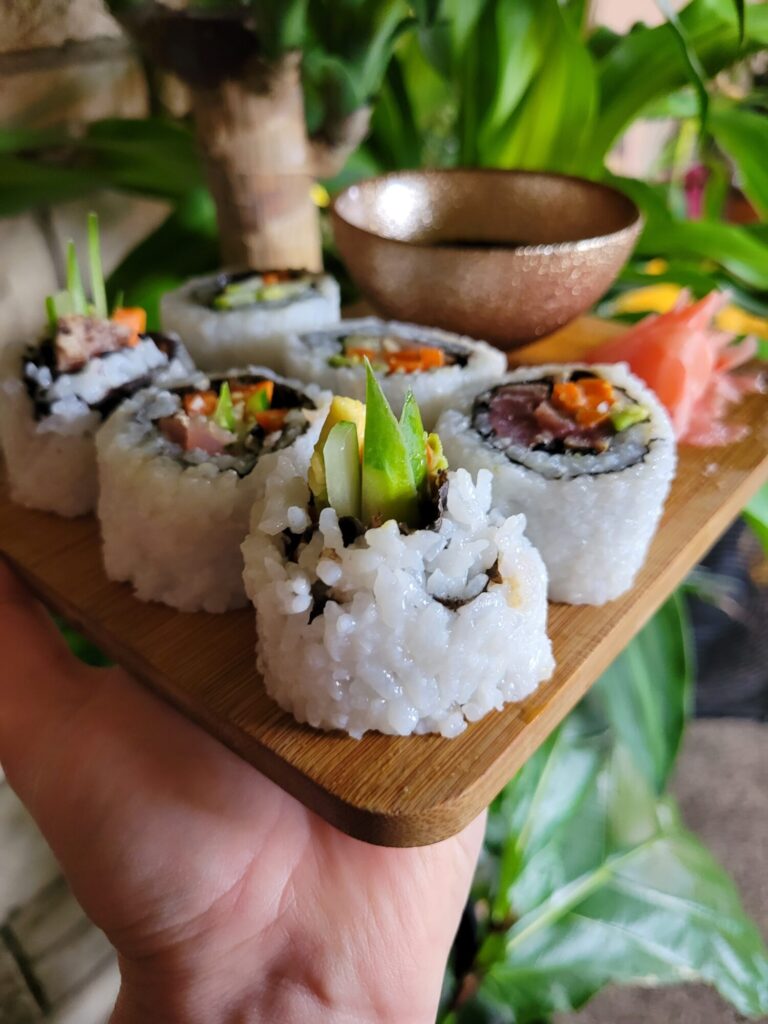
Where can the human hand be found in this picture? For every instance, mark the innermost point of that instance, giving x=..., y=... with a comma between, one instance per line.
x=227, y=900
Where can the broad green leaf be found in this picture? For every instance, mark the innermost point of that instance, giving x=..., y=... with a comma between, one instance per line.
x=551, y=127
x=647, y=62
x=646, y=693
x=183, y=246
x=617, y=891
x=730, y=245
x=521, y=36
x=756, y=514
x=28, y=184
x=696, y=72
x=743, y=135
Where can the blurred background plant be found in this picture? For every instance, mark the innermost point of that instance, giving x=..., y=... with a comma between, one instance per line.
x=588, y=877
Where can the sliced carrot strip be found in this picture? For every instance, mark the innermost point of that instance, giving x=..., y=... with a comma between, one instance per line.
x=271, y=419
x=133, y=317
x=200, y=403
x=242, y=392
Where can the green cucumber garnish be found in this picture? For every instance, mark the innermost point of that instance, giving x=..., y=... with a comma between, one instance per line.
x=388, y=487
x=98, y=291
x=224, y=413
x=75, y=282
x=414, y=437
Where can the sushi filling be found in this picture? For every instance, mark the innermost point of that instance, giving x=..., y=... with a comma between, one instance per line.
x=271, y=289
x=564, y=425
x=90, y=359
x=232, y=423
x=387, y=353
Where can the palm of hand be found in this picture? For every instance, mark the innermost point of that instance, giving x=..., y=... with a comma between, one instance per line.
x=204, y=874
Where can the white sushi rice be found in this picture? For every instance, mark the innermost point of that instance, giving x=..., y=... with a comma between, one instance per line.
x=51, y=461
x=171, y=528
x=591, y=519
x=385, y=653
x=218, y=339
x=306, y=357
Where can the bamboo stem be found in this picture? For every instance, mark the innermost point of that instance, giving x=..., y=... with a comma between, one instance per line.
x=252, y=134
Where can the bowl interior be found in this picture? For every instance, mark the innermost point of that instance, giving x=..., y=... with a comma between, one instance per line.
x=485, y=208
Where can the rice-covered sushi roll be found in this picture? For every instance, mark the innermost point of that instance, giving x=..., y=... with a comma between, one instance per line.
x=235, y=319
x=54, y=394
x=388, y=594
x=179, y=470
x=434, y=364
x=586, y=453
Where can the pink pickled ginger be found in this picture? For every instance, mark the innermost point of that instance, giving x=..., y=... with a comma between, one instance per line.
x=689, y=364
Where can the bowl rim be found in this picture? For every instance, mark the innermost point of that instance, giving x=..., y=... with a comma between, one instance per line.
x=631, y=228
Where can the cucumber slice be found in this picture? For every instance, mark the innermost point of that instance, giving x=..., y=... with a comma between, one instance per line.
x=341, y=456
x=224, y=413
x=388, y=490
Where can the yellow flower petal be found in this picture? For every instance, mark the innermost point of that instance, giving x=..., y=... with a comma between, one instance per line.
x=320, y=196
x=738, y=321
x=657, y=266
x=655, y=298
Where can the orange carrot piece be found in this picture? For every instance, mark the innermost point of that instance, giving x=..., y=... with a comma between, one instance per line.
x=200, y=403
x=133, y=317
x=242, y=392
x=271, y=419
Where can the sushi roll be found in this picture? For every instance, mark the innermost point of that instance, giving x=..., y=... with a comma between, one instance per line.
x=179, y=469
x=432, y=363
x=586, y=453
x=236, y=319
x=55, y=394
x=388, y=594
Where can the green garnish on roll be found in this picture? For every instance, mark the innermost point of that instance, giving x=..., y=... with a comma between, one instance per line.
x=369, y=465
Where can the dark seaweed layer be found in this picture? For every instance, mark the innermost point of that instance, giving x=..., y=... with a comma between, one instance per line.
x=44, y=356
x=207, y=293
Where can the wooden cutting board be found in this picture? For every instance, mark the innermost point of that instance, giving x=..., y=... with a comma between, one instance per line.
x=392, y=791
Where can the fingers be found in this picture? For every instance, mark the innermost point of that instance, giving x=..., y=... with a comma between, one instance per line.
x=40, y=679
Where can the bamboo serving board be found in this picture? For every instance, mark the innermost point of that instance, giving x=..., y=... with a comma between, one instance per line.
x=388, y=790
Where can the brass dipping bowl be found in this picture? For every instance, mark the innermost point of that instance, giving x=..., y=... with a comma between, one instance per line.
x=546, y=247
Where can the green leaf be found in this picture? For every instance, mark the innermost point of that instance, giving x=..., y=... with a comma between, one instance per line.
x=696, y=72
x=388, y=487
x=604, y=885
x=646, y=693
x=183, y=246
x=739, y=5
x=647, y=63
x=730, y=245
x=550, y=128
x=414, y=437
x=743, y=135
x=756, y=514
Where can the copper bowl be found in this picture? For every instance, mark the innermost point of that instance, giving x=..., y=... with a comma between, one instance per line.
x=502, y=255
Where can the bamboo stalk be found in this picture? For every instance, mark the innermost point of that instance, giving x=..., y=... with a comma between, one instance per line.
x=252, y=134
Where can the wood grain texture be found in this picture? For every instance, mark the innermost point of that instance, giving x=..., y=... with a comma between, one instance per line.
x=388, y=790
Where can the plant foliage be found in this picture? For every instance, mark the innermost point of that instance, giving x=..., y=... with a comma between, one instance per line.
x=589, y=876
